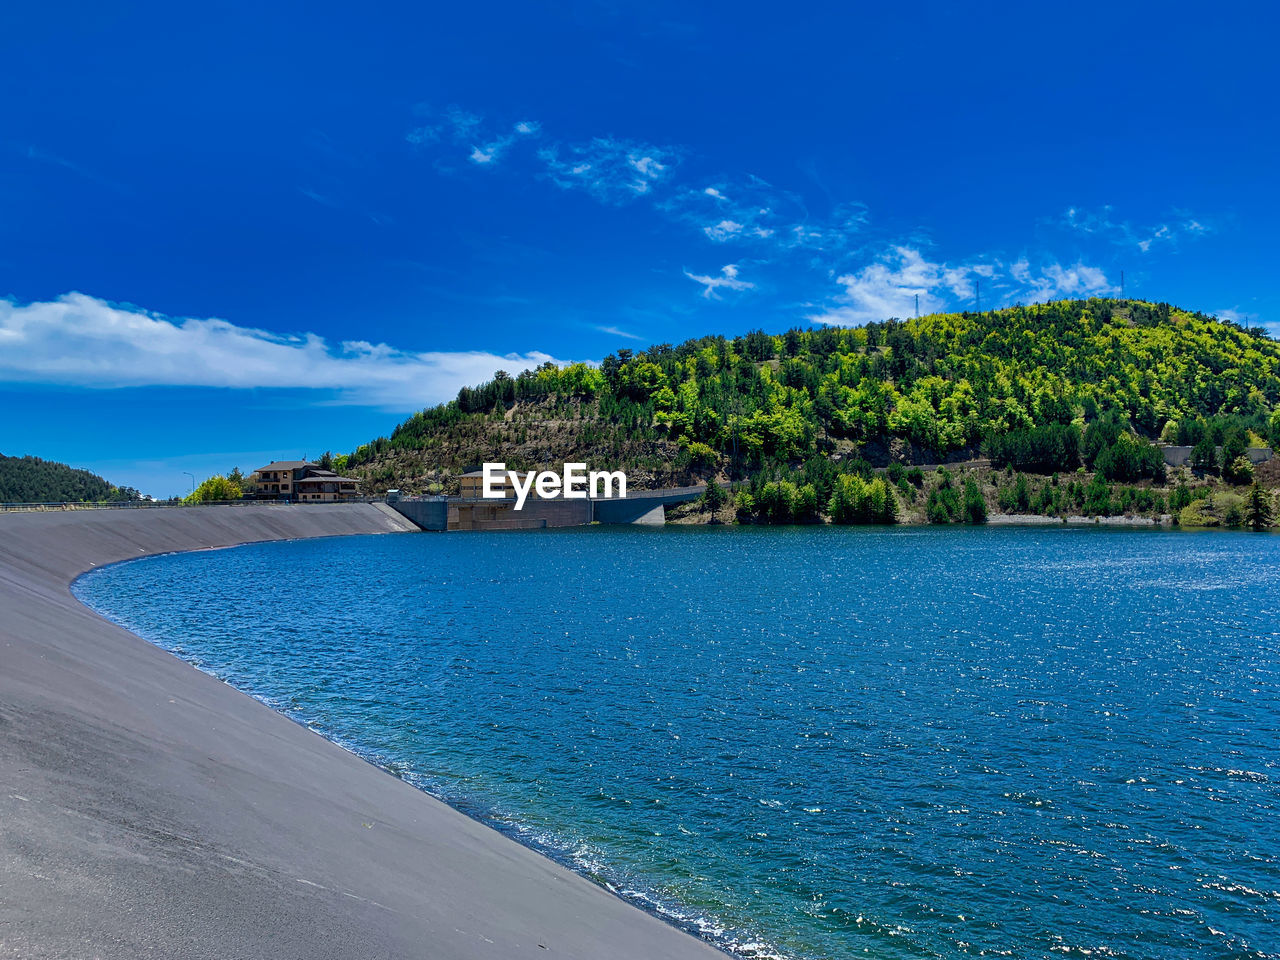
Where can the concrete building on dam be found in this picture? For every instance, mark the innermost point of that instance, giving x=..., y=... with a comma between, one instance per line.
x=538, y=513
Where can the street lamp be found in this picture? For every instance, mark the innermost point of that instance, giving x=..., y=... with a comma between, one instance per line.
x=193, y=479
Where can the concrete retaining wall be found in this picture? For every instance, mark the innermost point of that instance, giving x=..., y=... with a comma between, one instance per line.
x=149, y=810
x=1181, y=456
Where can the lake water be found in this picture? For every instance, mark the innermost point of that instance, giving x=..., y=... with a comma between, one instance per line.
x=804, y=742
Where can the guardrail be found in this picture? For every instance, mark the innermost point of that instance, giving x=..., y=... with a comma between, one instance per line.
x=633, y=494
x=170, y=504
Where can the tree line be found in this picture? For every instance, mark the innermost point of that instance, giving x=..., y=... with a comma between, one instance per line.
x=33, y=480
x=1040, y=389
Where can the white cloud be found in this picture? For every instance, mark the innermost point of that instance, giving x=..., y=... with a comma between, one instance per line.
x=1053, y=280
x=495, y=148
x=728, y=280
x=723, y=230
x=889, y=288
x=489, y=152
x=611, y=170
x=81, y=341
x=1100, y=222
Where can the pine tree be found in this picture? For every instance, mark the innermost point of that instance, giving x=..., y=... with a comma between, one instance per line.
x=1257, y=512
x=714, y=496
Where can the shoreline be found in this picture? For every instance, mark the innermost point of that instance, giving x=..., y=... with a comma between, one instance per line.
x=152, y=810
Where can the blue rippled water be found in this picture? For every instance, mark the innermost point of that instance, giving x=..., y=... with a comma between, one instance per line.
x=808, y=742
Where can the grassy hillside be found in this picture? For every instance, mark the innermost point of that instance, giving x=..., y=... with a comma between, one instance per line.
x=1044, y=389
x=32, y=480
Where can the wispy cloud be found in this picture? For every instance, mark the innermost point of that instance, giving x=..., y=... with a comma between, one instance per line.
x=737, y=209
x=452, y=124
x=1102, y=222
x=774, y=225
x=36, y=155
x=724, y=212
x=334, y=204
x=462, y=127
x=493, y=150
x=728, y=280
x=611, y=170
x=81, y=341
x=752, y=211
x=615, y=332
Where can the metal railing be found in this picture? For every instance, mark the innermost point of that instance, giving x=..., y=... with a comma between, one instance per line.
x=171, y=504
x=632, y=494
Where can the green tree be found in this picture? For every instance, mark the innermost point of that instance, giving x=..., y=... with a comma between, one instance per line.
x=1015, y=497
x=216, y=488
x=1129, y=457
x=855, y=500
x=1239, y=471
x=1179, y=498
x=975, y=507
x=714, y=496
x=807, y=504
x=1097, y=497
x=1023, y=380
x=1258, y=514
x=701, y=455
x=943, y=505
x=1234, y=443
x=1204, y=456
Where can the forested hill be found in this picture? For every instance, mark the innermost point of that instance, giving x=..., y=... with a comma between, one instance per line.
x=1022, y=384
x=32, y=480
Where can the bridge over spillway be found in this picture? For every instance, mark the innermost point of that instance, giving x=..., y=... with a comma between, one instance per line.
x=466, y=513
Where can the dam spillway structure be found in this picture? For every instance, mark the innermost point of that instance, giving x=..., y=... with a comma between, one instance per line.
x=442, y=514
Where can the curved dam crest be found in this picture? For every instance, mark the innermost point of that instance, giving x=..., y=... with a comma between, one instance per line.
x=150, y=810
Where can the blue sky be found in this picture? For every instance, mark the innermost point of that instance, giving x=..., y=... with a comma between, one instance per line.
x=239, y=232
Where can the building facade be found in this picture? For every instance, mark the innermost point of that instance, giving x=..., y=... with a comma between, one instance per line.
x=473, y=485
x=302, y=481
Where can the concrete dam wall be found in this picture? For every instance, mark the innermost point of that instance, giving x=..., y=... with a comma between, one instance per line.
x=151, y=810
x=455, y=513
